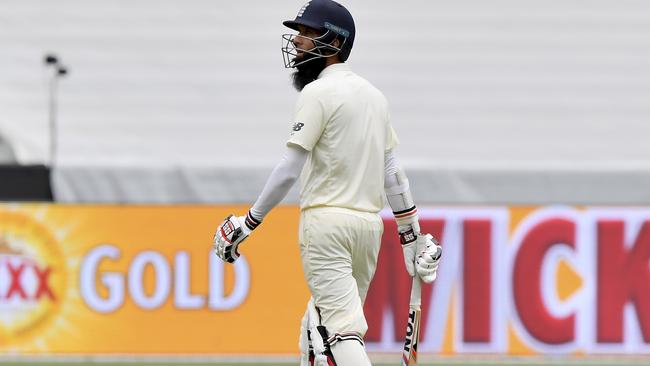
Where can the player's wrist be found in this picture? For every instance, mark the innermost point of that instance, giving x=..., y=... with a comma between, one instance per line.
x=408, y=226
x=407, y=217
x=251, y=221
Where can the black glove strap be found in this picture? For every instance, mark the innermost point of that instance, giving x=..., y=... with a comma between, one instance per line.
x=408, y=236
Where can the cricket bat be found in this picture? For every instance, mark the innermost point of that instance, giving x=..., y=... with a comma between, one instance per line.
x=410, y=352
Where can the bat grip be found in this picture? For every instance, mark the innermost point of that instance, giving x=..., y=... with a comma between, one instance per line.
x=416, y=292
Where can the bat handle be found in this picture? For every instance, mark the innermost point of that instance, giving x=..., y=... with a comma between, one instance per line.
x=416, y=292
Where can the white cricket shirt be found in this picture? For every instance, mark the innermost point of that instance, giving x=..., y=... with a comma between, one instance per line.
x=344, y=122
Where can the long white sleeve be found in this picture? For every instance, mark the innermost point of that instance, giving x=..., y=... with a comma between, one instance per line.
x=282, y=178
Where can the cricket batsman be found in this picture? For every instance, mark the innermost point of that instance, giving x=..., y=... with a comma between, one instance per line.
x=341, y=145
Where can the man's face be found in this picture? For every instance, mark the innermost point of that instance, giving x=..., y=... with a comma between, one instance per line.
x=303, y=42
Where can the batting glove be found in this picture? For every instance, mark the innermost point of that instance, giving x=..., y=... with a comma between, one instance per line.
x=232, y=232
x=408, y=235
x=428, y=260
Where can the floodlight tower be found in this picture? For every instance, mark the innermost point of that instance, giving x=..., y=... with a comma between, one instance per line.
x=58, y=70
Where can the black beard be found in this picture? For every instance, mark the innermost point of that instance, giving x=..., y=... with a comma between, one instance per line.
x=308, y=71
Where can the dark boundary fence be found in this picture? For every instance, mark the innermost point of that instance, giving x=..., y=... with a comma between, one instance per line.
x=25, y=183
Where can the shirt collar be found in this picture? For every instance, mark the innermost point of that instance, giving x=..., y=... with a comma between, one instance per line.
x=341, y=66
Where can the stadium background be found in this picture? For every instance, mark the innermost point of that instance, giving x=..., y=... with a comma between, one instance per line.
x=524, y=131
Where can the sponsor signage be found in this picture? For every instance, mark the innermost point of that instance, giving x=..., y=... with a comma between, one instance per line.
x=143, y=280
x=523, y=281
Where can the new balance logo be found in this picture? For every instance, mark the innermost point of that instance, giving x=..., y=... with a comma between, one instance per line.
x=302, y=10
x=298, y=126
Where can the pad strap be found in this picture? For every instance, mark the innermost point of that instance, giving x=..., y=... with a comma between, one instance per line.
x=340, y=337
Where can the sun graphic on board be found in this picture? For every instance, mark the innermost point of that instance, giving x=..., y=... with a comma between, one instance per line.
x=34, y=279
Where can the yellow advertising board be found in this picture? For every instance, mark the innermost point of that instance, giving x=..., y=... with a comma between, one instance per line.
x=137, y=279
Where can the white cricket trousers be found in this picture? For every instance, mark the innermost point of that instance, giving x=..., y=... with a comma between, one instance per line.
x=339, y=249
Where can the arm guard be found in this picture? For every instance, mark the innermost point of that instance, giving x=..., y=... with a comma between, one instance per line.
x=398, y=193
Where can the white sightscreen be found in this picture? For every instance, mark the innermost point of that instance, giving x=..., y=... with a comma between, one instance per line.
x=508, y=100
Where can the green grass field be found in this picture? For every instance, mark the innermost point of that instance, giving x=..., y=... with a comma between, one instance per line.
x=228, y=364
x=215, y=364
x=478, y=361
x=274, y=364
x=379, y=359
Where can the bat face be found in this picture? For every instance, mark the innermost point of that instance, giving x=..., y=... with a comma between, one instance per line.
x=410, y=352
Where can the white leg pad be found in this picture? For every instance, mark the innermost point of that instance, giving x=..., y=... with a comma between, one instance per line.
x=317, y=342
x=350, y=353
